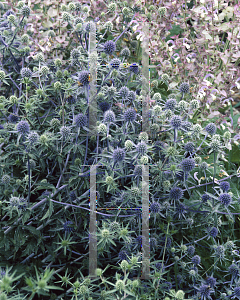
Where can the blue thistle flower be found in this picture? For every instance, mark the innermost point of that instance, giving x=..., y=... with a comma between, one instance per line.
x=213, y=232
x=131, y=96
x=80, y=120
x=225, y=199
x=71, y=100
x=23, y=127
x=130, y=115
x=109, y=47
x=189, y=147
x=191, y=250
x=115, y=63
x=153, y=243
x=141, y=148
x=33, y=138
x=176, y=122
x=68, y=226
x=233, y=270
x=196, y=260
x=176, y=193
x=72, y=196
x=180, y=210
x=171, y=104
x=26, y=72
x=211, y=128
x=118, y=155
x=205, y=198
x=225, y=186
x=134, y=68
x=123, y=255
x=104, y=106
x=139, y=240
x=188, y=164
x=124, y=92
x=155, y=207
x=109, y=116
x=13, y=118
x=205, y=292
x=83, y=78
x=211, y=281
x=184, y=88
x=186, y=126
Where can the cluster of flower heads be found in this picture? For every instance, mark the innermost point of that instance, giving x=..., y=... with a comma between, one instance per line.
x=123, y=149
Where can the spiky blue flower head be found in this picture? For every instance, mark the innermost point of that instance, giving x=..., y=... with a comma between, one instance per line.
x=118, y=155
x=187, y=126
x=205, y=198
x=138, y=240
x=90, y=26
x=80, y=120
x=125, y=52
x=188, y=164
x=13, y=118
x=196, y=260
x=211, y=128
x=153, y=243
x=176, y=122
x=131, y=96
x=211, y=281
x=104, y=106
x=115, y=63
x=213, y=232
x=176, y=193
x=233, y=270
x=189, y=147
x=71, y=100
x=134, y=68
x=124, y=92
x=26, y=72
x=72, y=196
x=109, y=116
x=130, y=115
x=65, y=131
x=83, y=78
x=68, y=226
x=225, y=186
x=180, y=210
x=191, y=250
x=155, y=207
x=219, y=251
x=109, y=47
x=23, y=127
x=225, y=199
x=33, y=138
x=141, y=147
x=205, y=292
x=137, y=170
x=123, y=255
x=22, y=204
x=184, y=88
x=171, y=104
x=6, y=179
